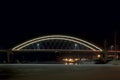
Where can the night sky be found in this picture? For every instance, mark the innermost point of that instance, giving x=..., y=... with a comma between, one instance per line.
x=19, y=24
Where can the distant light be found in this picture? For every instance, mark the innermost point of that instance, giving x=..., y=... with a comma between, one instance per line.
x=76, y=59
x=98, y=55
x=75, y=45
x=83, y=59
x=111, y=47
x=65, y=59
x=71, y=60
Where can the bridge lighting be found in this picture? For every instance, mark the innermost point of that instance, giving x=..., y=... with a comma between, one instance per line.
x=98, y=55
x=76, y=59
x=38, y=45
x=65, y=59
x=59, y=37
x=71, y=60
x=111, y=47
x=76, y=46
x=21, y=47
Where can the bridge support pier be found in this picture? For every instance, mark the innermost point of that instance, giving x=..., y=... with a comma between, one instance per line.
x=9, y=52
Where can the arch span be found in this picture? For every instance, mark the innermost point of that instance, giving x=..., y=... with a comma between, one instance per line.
x=57, y=37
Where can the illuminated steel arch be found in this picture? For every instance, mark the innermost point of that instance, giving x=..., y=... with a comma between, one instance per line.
x=78, y=41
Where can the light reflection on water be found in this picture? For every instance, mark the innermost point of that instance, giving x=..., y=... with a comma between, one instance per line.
x=71, y=63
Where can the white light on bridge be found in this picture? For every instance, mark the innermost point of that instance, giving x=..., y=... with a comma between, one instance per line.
x=38, y=45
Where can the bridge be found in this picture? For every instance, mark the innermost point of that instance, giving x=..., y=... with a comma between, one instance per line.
x=57, y=50
x=55, y=44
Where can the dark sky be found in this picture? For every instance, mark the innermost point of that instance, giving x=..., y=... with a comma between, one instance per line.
x=19, y=23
